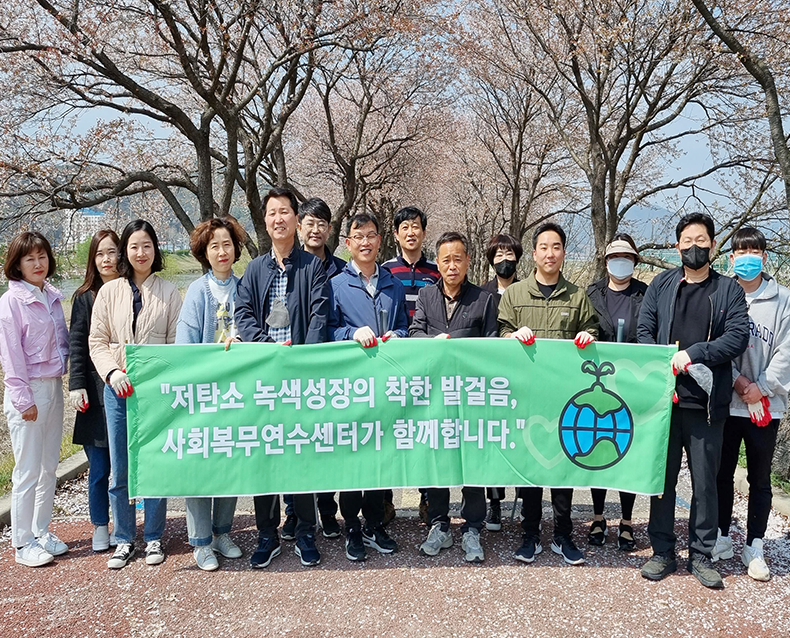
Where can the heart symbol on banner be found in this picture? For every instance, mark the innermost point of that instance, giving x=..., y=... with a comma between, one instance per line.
x=549, y=426
x=640, y=373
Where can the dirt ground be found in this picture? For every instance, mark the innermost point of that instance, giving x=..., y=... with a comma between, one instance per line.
x=404, y=594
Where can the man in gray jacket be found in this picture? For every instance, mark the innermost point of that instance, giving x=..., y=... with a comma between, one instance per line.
x=759, y=399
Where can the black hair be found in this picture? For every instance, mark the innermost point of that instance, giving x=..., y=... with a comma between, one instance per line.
x=279, y=191
x=124, y=267
x=748, y=238
x=360, y=219
x=548, y=226
x=315, y=207
x=630, y=241
x=409, y=213
x=695, y=218
x=449, y=237
x=505, y=242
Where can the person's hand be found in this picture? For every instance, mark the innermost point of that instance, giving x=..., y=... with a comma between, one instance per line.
x=759, y=412
x=740, y=385
x=583, y=339
x=120, y=384
x=31, y=414
x=230, y=340
x=444, y=335
x=366, y=337
x=390, y=334
x=752, y=394
x=680, y=362
x=286, y=343
x=78, y=399
x=524, y=335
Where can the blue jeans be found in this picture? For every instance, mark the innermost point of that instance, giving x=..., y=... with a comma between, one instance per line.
x=98, y=484
x=123, y=512
x=200, y=522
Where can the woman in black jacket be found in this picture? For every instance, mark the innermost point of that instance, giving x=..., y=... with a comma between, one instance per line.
x=86, y=388
x=617, y=299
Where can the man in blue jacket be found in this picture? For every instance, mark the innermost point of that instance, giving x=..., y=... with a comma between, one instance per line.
x=283, y=297
x=705, y=314
x=367, y=304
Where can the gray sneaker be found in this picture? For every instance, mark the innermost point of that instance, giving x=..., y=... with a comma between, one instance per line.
x=659, y=566
x=702, y=568
x=225, y=546
x=470, y=544
x=205, y=558
x=438, y=539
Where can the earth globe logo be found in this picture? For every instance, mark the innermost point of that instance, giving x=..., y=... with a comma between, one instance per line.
x=596, y=427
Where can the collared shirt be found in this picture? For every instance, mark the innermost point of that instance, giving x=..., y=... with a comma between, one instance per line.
x=450, y=303
x=39, y=294
x=278, y=290
x=370, y=284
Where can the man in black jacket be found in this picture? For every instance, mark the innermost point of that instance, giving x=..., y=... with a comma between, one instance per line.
x=454, y=308
x=706, y=315
x=283, y=297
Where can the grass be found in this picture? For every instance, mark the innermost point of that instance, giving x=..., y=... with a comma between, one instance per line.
x=776, y=480
x=67, y=448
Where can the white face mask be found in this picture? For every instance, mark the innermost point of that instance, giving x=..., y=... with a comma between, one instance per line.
x=620, y=267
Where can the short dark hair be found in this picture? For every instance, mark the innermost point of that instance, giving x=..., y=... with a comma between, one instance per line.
x=748, y=238
x=279, y=191
x=449, y=238
x=408, y=213
x=548, y=226
x=204, y=231
x=315, y=207
x=359, y=220
x=124, y=267
x=505, y=242
x=24, y=244
x=695, y=218
x=93, y=280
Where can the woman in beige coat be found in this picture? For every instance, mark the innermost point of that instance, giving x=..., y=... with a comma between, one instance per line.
x=138, y=307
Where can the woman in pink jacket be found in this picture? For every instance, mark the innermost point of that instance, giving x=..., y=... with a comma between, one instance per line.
x=34, y=349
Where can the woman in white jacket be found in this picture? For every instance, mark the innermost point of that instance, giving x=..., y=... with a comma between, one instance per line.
x=138, y=307
x=761, y=381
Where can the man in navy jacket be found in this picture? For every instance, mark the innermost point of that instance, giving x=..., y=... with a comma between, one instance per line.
x=367, y=304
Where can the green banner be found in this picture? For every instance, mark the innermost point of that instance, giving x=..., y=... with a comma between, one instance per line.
x=267, y=418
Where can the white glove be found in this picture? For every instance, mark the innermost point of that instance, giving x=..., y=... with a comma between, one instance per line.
x=120, y=384
x=79, y=399
x=366, y=337
x=680, y=362
x=524, y=335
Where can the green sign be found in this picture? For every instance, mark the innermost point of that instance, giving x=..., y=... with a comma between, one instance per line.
x=268, y=418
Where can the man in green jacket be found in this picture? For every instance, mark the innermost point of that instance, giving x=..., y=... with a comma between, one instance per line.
x=547, y=305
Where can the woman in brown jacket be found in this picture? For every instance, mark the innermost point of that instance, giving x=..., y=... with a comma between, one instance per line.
x=138, y=307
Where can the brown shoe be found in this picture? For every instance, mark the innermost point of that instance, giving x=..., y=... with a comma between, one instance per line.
x=389, y=513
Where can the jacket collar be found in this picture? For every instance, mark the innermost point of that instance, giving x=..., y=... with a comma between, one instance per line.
x=464, y=287
x=24, y=294
x=534, y=290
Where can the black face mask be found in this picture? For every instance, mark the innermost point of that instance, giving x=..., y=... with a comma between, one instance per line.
x=505, y=268
x=695, y=257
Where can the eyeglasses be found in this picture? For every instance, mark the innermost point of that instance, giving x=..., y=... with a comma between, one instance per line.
x=370, y=237
x=321, y=226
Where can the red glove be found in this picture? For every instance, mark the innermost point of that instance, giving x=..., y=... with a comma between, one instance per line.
x=287, y=343
x=767, y=416
x=385, y=338
x=675, y=397
x=583, y=339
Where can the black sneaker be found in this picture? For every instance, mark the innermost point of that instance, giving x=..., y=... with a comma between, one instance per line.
x=659, y=566
x=702, y=568
x=530, y=548
x=355, y=546
x=307, y=551
x=329, y=526
x=379, y=540
x=268, y=548
x=625, y=538
x=494, y=517
x=598, y=532
x=565, y=547
x=289, y=528
x=122, y=555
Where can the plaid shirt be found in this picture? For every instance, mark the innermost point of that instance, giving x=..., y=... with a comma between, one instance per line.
x=277, y=291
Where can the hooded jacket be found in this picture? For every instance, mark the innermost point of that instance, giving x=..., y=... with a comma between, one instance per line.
x=597, y=293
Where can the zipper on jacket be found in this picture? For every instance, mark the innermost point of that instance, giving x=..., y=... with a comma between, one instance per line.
x=710, y=331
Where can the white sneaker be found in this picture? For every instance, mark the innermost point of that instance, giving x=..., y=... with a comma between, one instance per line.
x=722, y=550
x=101, y=538
x=205, y=558
x=53, y=544
x=752, y=558
x=225, y=546
x=437, y=540
x=154, y=554
x=33, y=555
x=470, y=544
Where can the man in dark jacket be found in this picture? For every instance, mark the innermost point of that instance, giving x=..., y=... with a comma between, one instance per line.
x=454, y=308
x=315, y=221
x=283, y=297
x=706, y=315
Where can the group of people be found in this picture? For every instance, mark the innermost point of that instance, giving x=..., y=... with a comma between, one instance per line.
x=737, y=327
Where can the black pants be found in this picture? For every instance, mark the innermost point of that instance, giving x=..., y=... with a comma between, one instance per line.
x=760, y=443
x=689, y=430
x=267, y=514
x=326, y=504
x=495, y=493
x=369, y=502
x=626, y=503
x=473, y=506
x=532, y=510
